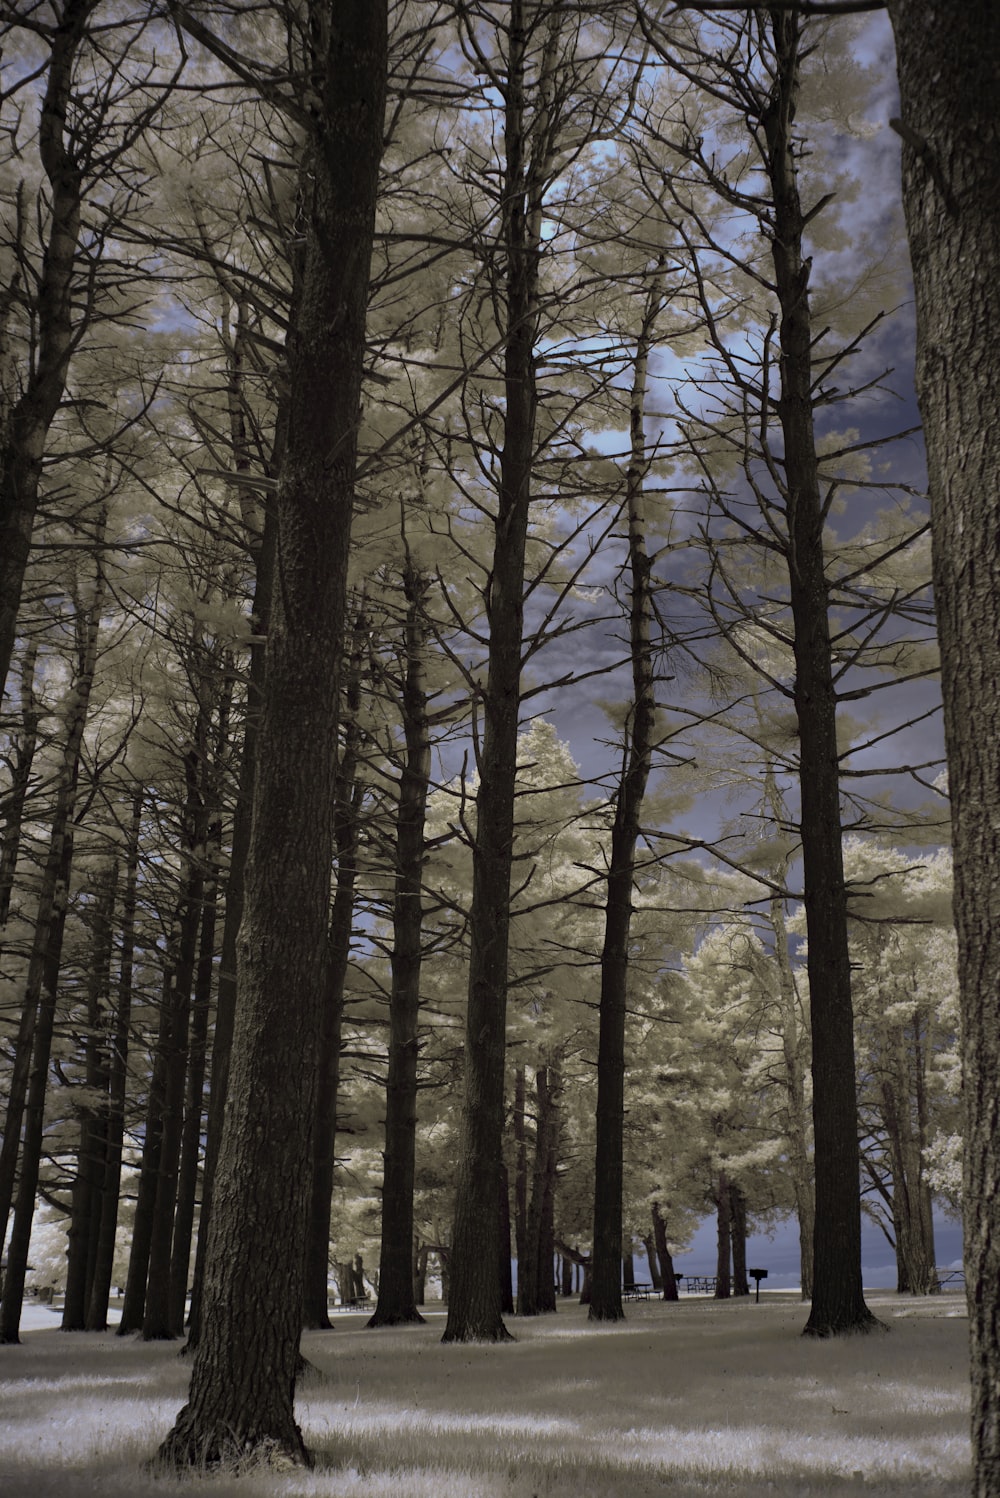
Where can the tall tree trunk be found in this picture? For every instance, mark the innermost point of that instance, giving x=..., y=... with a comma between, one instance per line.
x=24, y=742
x=503, y=1255
x=606, y=1298
x=799, y=1160
x=85, y=1204
x=520, y=1168
x=738, y=1235
x=201, y=1005
x=535, y=1283
x=649, y=1248
x=948, y=59
x=241, y=1398
x=838, y=1303
x=474, y=1307
x=97, y=1311
x=41, y=989
x=348, y=796
x=24, y=434
x=225, y=1005
x=670, y=1291
x=156, y=1322
x=723, y=1218
x=395, y=1286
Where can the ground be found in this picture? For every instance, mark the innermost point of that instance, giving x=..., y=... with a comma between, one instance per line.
x=695, y=1400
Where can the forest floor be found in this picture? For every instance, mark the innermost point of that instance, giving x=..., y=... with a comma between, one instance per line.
x=694, y=1400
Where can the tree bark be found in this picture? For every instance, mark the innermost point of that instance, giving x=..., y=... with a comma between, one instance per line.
x=723, y=1220
x=395, y=1286
x=173, y=1052
x=243, y=1376
x=85, y=1205
x=41, y=989
x=606, y=1298
x=738, y=1235
x=22, y=755
x=225, y=1005
x=348, y=795
x=24, y=434
x=948, y=60
x=838, y=1303
x=474, y=1312
x=535, y=1281
x=670, y=1291
x=97, y=1311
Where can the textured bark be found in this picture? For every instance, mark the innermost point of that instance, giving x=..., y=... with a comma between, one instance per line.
x=225, y=1006
x=606, y=1298
x=348, y=795
x=97, y=1311
x=796, y=1125
x=24, y=434
x=24, y=741
x=171, y=1060
x=201, y=1004
x=723, y=1222
x=85, y=1204
x=395, y=1286
x=838, y=1300
x=243, y=1376
x=41, y=988
x=665, y=1257
x=474, y=1312
x=738, y=1237
x=949, y=60
x=535, y=1277
x=520, y=1167
x=901, y=1106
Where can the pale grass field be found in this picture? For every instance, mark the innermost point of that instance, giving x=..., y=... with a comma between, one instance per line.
x=687, y=1401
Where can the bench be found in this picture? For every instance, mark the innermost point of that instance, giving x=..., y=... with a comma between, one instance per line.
x=638, y=1291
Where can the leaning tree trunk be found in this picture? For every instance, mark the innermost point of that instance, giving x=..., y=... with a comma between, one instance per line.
x=241, y=1398
x=663, y=1254
x=606, y=1297
x=948, y=59
x=396, y=1304
x=838, y=1303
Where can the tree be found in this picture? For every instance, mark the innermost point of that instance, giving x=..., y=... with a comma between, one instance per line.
x=98, y=99
x=637, y=758
x=948, y=62
x=245, y=1366
x=534, y=43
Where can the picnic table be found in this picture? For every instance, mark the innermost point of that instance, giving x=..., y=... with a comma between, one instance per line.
x=355, y=1303
x=949, y=1277
x=699, y=1284
x=638, y=1291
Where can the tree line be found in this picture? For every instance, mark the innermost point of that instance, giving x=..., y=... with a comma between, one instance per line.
x=374, y=384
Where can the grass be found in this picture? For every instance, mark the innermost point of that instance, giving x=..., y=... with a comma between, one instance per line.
x=695, y=1400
